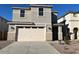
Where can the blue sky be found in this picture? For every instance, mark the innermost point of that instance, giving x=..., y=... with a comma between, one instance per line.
x=6, y=9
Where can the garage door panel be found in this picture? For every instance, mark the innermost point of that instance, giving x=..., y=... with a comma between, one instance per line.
x=31, y=34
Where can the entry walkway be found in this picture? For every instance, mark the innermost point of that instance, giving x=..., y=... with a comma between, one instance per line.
x=29, y=48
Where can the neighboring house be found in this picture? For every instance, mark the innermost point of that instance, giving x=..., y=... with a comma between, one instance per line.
x=33, y=23
x=3, y=28
x=71, y=22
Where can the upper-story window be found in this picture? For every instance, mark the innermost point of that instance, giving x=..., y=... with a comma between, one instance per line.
x=22, y=13
x=40, y=11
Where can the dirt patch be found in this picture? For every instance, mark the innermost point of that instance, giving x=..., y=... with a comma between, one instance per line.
x=4, y=43
x=63, y=48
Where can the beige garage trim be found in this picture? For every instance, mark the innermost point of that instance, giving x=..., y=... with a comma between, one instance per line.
x=31, y=34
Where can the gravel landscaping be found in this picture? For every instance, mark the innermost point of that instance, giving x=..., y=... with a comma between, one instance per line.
x=4, y=43
x=72, y=48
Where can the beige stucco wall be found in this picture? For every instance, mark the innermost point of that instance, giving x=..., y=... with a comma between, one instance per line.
x=16, y=16
x=46, y=18
x=32, y=16
x=11, y=36
x=49, y=36
x=12, y=33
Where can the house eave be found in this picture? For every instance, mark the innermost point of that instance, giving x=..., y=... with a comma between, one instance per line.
x=20, y=23
x=58, y=24
x=26, y=8
x=41, y=5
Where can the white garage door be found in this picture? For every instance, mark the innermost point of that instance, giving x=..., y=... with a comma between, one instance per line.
x=32, y=34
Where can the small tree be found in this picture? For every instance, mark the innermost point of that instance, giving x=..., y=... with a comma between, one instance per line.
x=67, y=39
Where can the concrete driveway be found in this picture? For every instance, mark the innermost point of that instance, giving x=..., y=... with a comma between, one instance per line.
x=29, y=48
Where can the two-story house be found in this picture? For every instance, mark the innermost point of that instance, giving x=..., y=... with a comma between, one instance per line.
x=3, y=28
x=71, y=19
x=33, y=23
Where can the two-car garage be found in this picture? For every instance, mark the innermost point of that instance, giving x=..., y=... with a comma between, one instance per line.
x=35, y=33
